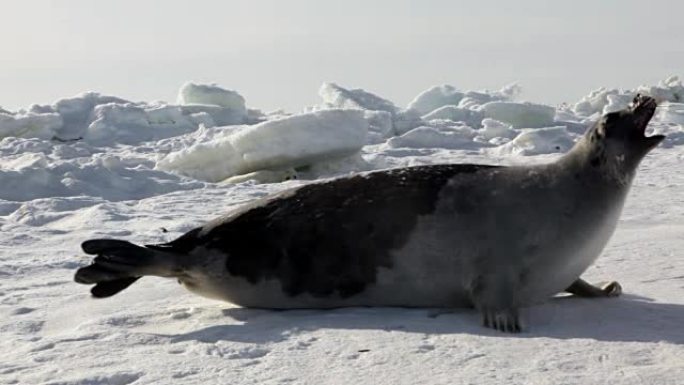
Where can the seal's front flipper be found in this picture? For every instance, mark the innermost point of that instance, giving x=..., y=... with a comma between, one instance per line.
x=493, y=295
x=582, y=288
x=502, y=320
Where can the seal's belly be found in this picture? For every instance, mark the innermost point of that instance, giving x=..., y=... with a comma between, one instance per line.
x=423, y=274
x=563, y=263
x=436, y=267
x=392, y=287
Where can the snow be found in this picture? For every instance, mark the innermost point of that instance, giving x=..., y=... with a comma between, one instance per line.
x=101, y=166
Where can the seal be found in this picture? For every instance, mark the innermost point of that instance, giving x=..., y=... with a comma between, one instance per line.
x=455, y=235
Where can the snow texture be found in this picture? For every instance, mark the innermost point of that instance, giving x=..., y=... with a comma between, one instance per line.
x=95, y=166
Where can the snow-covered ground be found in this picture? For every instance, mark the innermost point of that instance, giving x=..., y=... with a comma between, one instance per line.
x=100, y=166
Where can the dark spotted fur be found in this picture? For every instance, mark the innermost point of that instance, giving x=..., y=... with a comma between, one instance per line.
x=328, y=237
x=325, y=238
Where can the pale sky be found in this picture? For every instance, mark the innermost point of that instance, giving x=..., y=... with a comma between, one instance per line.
x=277, y=53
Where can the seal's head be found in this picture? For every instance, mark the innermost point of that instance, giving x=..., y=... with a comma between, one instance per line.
x=618, y=141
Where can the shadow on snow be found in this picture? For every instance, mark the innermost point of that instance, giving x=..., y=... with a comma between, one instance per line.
x=626, y=319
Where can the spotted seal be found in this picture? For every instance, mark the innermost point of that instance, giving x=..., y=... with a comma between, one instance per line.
x=454, y=235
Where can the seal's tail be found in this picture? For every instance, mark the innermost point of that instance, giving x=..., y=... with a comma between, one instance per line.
x=118, y=264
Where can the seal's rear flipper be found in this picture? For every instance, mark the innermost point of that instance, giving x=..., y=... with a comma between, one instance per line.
x=582, y=288
x=108, y=289
x=119, y=264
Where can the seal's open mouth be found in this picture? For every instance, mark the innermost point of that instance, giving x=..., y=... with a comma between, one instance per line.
x=643, y=107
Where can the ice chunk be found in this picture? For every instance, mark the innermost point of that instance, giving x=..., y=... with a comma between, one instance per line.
x=380, y=126
x=289, y=142
x=123, y=122
x=671, y=113
x=405, y=121
x=24, y=161
x=35, y=168
x=510, y=92
x=459, y=137
x=434, y=98
x=493, y=130
x=13, y=146
x=604, y=100
x=164, y=115
x=470, y=117
x=220, y=116
x=211, y=94
x=77, y=113
x=226, y=107
x=255, y=116
x=539, y=141
x=520, y=115
x=617, y=102
x=130, y=123
x=263, y=176
x=670, y=89
x=338, y=166
x=30, y=125
x=104, y=120
x=475, y=99
x=335, y=96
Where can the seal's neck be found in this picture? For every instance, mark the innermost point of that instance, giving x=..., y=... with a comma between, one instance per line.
x=591, y=159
